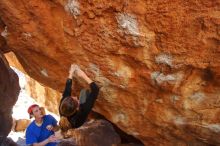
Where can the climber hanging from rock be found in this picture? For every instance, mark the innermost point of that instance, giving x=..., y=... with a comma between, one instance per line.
x=77, y=110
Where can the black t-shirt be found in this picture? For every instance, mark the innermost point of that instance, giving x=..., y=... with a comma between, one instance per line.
x=78, y=118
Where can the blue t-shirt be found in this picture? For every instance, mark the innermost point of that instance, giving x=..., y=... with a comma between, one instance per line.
x=36, y=134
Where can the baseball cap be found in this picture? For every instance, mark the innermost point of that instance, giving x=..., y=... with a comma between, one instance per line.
x=31, y=108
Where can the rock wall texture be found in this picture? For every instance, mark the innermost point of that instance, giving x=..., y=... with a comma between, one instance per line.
x=9, y=91
x=157, y=62
x=46, y=96
x=94, y=133
x=21, y=125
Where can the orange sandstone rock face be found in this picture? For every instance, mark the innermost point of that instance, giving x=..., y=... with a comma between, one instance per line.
x=21, y=124
x=157, y=62
x=46, y=96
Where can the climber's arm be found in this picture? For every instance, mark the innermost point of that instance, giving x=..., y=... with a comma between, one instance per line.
x=67, y=90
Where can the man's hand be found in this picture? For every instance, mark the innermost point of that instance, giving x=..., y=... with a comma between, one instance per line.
x=72, y=70
x=75, y=68
x=79, y=73
x=59, y=135
x=52, y=138
x=83, y=75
